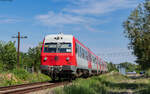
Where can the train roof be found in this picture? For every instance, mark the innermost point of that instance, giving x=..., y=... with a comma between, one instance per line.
x=86, y=48
x=65, y=35
x=58, y=38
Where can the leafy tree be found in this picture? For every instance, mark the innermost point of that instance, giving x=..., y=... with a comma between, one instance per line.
x=31, y=59
x=34, y=57
x=1, y=63
x=25, y=60
x=8, y=55
x=137, y=30
x=111, y=67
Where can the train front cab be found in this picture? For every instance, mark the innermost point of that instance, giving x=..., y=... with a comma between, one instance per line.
x=58, y=56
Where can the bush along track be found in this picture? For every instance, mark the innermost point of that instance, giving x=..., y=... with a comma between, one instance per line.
x=21, y=76
x=110, y=83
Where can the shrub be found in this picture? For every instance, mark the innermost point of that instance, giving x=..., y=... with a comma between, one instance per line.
x=21, y=74
x=38, y=77
x=30, y=77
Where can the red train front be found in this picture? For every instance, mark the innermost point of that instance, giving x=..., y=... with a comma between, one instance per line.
x=58, y=56
x=64, y=56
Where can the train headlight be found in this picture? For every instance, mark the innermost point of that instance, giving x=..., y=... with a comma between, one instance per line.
x=45, y=58
x=67, y=59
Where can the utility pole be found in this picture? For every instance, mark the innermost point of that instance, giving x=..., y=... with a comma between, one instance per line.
x=18, y=49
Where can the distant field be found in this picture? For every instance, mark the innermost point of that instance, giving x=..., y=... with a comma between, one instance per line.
x=110, y=83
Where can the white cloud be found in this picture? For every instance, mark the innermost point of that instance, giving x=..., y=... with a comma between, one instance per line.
x=94, y=7
x=8, y=20
x=84, y=13
x=60, y=19
x=3, y=21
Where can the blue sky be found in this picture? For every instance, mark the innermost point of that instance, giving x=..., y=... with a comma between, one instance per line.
x=96, y=23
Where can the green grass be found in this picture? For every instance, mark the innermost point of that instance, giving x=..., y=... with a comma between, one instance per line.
x=82, y=86
x=119, y=83
x=105, y=84
x=21, y=76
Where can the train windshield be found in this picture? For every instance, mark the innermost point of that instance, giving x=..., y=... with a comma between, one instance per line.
x=58, y=48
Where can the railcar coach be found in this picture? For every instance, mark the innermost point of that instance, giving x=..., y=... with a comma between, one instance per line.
x=63, y=56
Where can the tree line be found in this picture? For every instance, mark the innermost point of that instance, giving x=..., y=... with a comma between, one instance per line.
x=129, y=67
x=8, y=57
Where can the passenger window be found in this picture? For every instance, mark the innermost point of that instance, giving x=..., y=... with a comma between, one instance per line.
x=80, y=52
x=83, y=54
x=87, y=57
x=76, y=48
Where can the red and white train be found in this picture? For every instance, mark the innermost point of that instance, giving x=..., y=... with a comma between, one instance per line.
x=64, y=56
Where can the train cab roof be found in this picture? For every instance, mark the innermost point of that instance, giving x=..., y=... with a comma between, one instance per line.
x=58, y=38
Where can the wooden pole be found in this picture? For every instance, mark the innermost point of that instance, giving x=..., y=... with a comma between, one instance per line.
x=18, y=53
x=18, y=49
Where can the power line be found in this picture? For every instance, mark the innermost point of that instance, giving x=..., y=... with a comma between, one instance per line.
x=122, y=56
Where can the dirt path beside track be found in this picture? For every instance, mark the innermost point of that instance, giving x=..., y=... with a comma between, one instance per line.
x=134, y=84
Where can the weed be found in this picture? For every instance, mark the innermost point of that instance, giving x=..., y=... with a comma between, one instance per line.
x=110, y=83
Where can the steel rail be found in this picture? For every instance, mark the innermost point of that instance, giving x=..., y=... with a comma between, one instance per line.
x=21, y=85
x=26, y=88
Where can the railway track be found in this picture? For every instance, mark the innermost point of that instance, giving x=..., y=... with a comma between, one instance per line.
x=26, y=88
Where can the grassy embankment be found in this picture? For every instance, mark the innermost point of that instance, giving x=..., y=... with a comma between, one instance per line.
x=111, y=83
x=20, y=76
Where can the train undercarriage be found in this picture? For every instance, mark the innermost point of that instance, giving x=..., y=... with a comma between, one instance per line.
x=67, y=72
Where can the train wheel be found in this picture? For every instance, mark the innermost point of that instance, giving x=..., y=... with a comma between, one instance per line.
x=70, y=79
x=59, y=78
x=54, y=79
